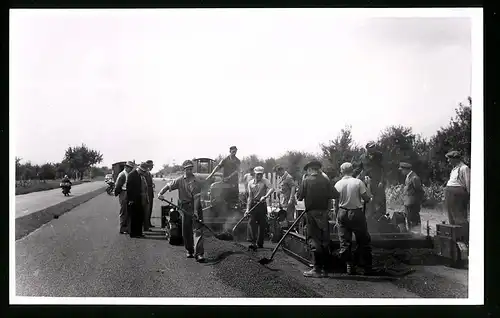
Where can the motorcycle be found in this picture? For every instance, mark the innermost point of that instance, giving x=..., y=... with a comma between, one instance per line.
x=111, y=187
x=66, y=187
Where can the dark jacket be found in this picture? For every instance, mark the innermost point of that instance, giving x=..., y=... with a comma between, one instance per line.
x=134, y=187
x=412, y=192
x=317, y=192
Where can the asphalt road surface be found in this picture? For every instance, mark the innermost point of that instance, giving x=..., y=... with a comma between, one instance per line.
x=82, y=254
x=35, y=201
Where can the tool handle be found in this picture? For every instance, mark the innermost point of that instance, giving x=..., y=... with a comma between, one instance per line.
x=186, y=213
x=288, y=231
x=245, y=216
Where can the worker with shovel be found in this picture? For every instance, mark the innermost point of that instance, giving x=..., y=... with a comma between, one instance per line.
x=189, y=197
x=259, y=189
x=317, y=193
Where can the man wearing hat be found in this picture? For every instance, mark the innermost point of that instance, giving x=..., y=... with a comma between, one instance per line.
x=351, y=219
x=259, y=189
x=138, y=200
x=151, y=185
x=189, y=201
x=317, y=193
x=121, y=192
x=372, y=174
x=286, y=192
x=231, y=168
x=413, y=194
x=457, y=191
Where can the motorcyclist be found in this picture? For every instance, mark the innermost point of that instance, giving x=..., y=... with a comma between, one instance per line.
x=66, y=183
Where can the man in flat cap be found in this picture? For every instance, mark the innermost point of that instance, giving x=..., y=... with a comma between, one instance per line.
x=351, y=219
x=151, y=185
x=413, y=195
x=372, y=174
x=121, y=192
x=138, y=200
x=286, y=192
x=317, y=193
x=457, y=191
x=259, y=189
x=189, y=201
x=231, y=169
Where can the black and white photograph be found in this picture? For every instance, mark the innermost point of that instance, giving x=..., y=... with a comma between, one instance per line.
x=320, y=156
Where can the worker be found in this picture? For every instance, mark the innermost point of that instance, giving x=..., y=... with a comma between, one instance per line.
x=189, y=197
x=372, y=175
x=259, y=189
x=151, y=185
x=138, y=200
x=121, y=192
x=231, y=168
x=351, y=219
x=413, y=195
x=286, y=192
x=249, y=176
x=317, y=193
x=457, y=191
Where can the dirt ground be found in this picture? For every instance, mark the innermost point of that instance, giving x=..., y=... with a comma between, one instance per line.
x=434, y=216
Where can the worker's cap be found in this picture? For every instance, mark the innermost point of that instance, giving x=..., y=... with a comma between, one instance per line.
x=453, y=154
x=130, y=164
x=346, y=167
x=143, y=165
x=258, y=170
x=232, y=148
x=405, y=165
x=313, y=164
x=187, y=164
x=370, y=145
x=278, y=168
x=149, y=162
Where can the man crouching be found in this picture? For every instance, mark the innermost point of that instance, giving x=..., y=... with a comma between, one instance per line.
x=189, y=201
x=317, y=193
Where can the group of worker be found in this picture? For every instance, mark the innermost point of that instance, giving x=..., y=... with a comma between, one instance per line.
x=358, y=195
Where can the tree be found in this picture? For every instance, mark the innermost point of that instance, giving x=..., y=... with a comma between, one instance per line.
x=341, y=149
x=456, y=136
x=48, y=171
x=269, y=164
x=294, y=162
x=82, y=158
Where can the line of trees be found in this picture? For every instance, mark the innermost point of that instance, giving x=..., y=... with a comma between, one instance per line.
x=397, y=143
x=77, y=162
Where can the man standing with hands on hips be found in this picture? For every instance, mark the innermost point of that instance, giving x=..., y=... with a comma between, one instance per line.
x=189, y=197
x=259, y=189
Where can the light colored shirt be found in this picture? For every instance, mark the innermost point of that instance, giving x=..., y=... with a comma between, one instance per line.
x=350, y=190
x=258, y=189
x=460, y=177
x=285, y=186
x=121, y=180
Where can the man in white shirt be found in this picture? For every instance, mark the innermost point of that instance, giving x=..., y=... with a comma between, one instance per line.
x=121, y=192
x=457, y=191
x=351, y=219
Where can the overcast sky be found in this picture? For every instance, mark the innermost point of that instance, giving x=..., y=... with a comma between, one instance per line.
x=178, y=84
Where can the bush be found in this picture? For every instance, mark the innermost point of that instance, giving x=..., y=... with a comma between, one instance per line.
x=433, y=195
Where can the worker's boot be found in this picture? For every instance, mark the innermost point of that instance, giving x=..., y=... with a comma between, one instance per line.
x=316, y=271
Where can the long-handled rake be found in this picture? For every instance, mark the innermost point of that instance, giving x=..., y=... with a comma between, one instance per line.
x=221, y=236
x=265, y=260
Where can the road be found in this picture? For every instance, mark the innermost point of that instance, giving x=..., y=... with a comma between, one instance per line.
x=81, y=254
x=35, y=201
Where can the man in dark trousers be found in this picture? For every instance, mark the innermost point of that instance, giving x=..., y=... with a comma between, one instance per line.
x=351, y=219
x=259, y=189
x=151, y=186
x=121, y=192
x=317, y=193
x=189, y=200
x=231, y=168
x=137, y=197
x=413, y=195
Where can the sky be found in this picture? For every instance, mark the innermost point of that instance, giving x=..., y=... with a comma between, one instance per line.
x=177, y=84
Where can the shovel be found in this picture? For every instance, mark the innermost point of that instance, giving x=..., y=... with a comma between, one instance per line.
x=265, y=260
x=244, y=217
x=221, y=236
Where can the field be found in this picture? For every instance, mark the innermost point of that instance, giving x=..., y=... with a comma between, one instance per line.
x=37, y=185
